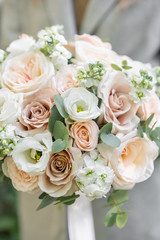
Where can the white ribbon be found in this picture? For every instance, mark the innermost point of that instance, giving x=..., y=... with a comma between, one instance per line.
x=80, y=220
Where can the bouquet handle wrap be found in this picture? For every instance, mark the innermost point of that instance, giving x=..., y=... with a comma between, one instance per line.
x=80, y=220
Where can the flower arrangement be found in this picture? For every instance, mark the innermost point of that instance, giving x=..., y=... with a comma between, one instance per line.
x=77, y=118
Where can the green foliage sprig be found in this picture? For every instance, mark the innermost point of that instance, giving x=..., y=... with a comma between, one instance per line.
x=116, y=215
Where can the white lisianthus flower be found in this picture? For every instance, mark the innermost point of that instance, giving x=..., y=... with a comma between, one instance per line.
x=8, y=140
x=10, y=106
x=31, y=154
x=80, y=104
x=2, y=55
x=23, y=44
x=95, y=179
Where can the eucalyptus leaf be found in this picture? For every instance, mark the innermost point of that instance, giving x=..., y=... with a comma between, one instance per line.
x=59, y=102
x=58, y=146
x=47, y=200
x=121, y=220
x=119, y=197
x=110, y=140
x=54, y=116
x=110, y=218
x=116, y=67
x=106, y=128
x=60, y=130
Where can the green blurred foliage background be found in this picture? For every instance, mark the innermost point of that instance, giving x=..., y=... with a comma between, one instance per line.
x=8, y=210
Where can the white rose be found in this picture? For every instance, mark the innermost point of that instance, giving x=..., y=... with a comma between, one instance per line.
x=80, y=104
x=10, y=106
x=117, y=107
x=27, y=73
x=31, y=154
x=133, y=161
x=24, y=44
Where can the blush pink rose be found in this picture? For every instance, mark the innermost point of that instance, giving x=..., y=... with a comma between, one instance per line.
x=21, y=180
x=64, y=79
x=85, y=135
x=60, y=173
x=149, y=107
x=27, y=72
x=36, y=109
x=117, y=106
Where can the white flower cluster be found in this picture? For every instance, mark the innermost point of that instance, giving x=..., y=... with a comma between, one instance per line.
x=141, y=84
x=3, y=55
x=95, y=179
x=89, y=75
x=8, y=140
x=51, y=42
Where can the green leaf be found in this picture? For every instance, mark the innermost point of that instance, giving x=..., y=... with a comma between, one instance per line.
x=140, y=130
x=58, y=146
x=60, y=130
x=155, y=134
x=54, y=116
x=124, y=62
x=116, y=67
x=59, y=102
x=118, y=198
x=47, y=200
x=110, y=218
x=42, y=195
x=121, y=220
x=110, y=140
x=67, y=200
x=106, y=128
x=126, y=67
x=149, y=120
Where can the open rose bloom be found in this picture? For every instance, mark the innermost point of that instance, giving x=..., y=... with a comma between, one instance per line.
x=76, y=118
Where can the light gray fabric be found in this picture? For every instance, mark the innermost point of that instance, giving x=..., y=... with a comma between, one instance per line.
x=134, y=31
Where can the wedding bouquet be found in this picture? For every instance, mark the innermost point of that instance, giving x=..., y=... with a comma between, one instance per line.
x=77, y=118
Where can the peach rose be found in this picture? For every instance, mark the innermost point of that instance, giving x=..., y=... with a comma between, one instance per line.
x=117, y=107
x=133, y=161
x=149, y=107
x=36, y=109
x=60, y=172
x=64, y=79
x=85, y=135
x=21, y=180
x=27, y=72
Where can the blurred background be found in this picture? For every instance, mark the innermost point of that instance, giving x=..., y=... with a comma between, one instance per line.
x=133, y=28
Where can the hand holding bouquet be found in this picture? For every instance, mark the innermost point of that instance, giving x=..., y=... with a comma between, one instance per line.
x=76, y=117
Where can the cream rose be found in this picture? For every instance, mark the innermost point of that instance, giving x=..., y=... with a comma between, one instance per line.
x=36, y=109
x=149, y=107
x=94, y=50
x=21, y=180
x=85, y=135
x=9, y=106
x=23, y=44
x=64, y=79
x=80, y=104
x=27, y=72
x=133, y=161
x=94, y=40
x=117, y=106
x=60, y=172
x=31, y=154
